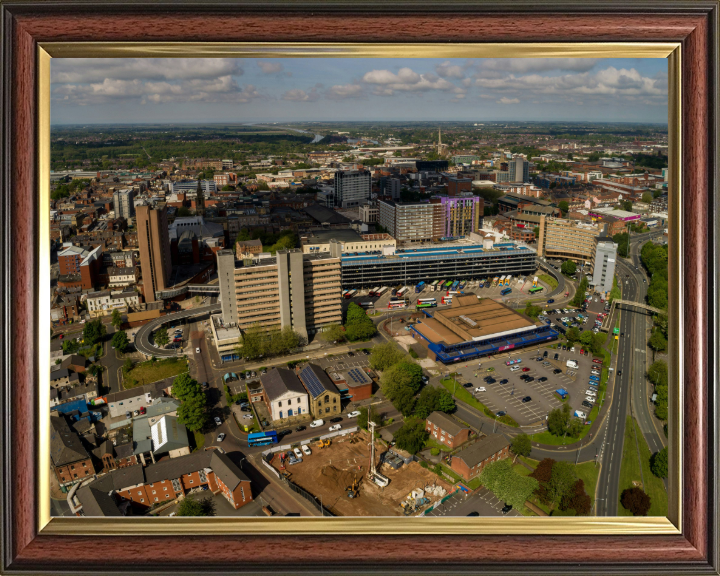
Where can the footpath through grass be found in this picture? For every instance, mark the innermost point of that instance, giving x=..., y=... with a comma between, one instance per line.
x=149, y=372
x=630, y=471
x=549, y=280
x=461, y=393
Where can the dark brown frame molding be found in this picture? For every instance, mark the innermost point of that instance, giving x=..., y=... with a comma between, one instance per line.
x=25, y=24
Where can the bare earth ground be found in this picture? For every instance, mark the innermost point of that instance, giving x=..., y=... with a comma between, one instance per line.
x=329, y=471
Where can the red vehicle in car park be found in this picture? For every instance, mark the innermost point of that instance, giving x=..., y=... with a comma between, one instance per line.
x=597, y=361
x=526, y=369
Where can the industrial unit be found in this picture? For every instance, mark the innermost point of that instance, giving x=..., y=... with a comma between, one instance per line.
x=473, y=328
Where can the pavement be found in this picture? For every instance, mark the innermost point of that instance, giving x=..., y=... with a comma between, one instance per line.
x=481, y=502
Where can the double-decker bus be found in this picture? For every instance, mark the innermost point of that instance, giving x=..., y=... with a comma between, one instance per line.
x=373, y=292
x=448, y=284
x=401, y=293
x=507, y=280
x=433, y=285
x=262, y=438
x=461, y=285
x=446, y=300
x=495, y=281
x=393, y=304
x=506, y=291
x=454, y=285
x=350, y=293
x=426, y=303
x=420, y=287
x=502, y=280
x=345, y=292
x=535, y=290
x=381, y=291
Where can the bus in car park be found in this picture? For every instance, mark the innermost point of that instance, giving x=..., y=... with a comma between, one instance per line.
x=381, y=291
x=507, y=280
x=374, y=291
x=448, y=284
x=345, y=292
x=426, y=303
x=506, y=291
x=495, y=281
x=420, y=287
x=502, y=280
x=393, y=304
x=535, y=290
x=402, y=292
x=446, y=300
x=367, y=304
x=350, y=293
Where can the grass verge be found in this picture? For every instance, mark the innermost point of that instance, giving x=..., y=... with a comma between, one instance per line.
x=549, y=280
x=430, y=443
x=462, y=394
x=149, y=372
x=199, y=438
x=630, y=471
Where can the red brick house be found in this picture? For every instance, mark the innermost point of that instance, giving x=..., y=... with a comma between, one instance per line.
x=139, y=487
x=70, y=460
x=445, y=430
x=471, y=461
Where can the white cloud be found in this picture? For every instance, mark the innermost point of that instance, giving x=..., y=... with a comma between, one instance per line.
x=406, y=80
x=449, y=70
x=506, y=100
x=341, y=92
x=298, y=95
x=94, y=70
x=524, y=65
x=270, y=67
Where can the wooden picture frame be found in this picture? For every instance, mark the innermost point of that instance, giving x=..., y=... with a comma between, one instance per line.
x=31, y=27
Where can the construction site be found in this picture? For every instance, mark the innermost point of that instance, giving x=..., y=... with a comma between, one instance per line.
x=339, y=473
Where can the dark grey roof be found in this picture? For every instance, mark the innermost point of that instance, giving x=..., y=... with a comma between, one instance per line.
x=74, y=359
x=226, y=470
x=326, y=385
x=176, y=467
x=482, y=450
x=58, y=374
x=324, y=215
x=124, y=450
x=444, y=422
x=120, y=478
x=65, y=445
x=278, y=381
x=96, y=502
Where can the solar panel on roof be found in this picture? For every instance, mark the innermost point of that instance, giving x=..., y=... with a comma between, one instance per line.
x=312, y=382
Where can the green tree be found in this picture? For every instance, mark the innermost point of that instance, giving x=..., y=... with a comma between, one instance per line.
x=127, y=365
x=564, y=207
x=94, y=332
x=562, y=479
x=358, y=325
x=579, y=297
x=594, y=157
x=568, y=268
x=412, y=435
x=647, y=197
x=385, y=355
x=120, y=341
x=558, y=420
x=116, y=319
x=658, y=373
x=447, y=402
x=542, y=474
x=333, y=333
x=532, y=311
x=509, y=487
x=572, y=335
x=183, y=212
x=521, y=445
x=586, y=338
x=192, y=413
x=659, y=463
x=623, y=242
x=403, y=373
x=368, y=415
x=577, y=500
x=192, y=507
x=657, y=342
x=536, y=231
x=252, y=342
x=185, y=387
x=161, y=337
x=597, y=342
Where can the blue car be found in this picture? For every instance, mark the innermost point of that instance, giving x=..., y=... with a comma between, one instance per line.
x=551, y=301
x=596, y=378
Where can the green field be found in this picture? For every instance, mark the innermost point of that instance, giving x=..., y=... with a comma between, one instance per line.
x=149, y=372
x=630, y=471
x=549, y=280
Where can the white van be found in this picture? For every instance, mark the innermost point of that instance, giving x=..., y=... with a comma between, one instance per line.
x=316, y=423
x=572, y=364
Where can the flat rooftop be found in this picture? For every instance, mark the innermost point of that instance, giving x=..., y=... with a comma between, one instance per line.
x=224, y=332
x=324, y=236
x=471, y=319
x=441, y=250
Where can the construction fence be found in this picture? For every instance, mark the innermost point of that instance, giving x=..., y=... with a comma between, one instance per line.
x=286, y=447
x=309, y=497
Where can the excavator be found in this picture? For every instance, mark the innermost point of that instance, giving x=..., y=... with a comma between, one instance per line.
x=353, y=489
x=323, y=443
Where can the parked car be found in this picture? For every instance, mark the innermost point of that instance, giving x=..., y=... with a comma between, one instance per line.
x=336, y=419
x=299, y=428
x=491, y=381
x=530, y=379
x=142, y=410
x=334, y=428
x=580, y=414
x=250, y=417
x=506, y=508
x=306, y=450
x=597, y=361
x=545, y=354
x=557, y=371
x=128, y=414
x=504, y=381
x=424, y=379
x=556, y=356
x=590, y=393
x=293, y=460
x=587, y=404
x=551, y=301
x=480, y=389
x=297, y=453
x=354, y=414
x=590, y=399
x=514, y=368
x=316, y=423
x=197, y=350
x=594, y=378
x=501, y=413
x=220, y=437
x=526, y=399
x=217, y=420
x=526, y=369
x=542, y=379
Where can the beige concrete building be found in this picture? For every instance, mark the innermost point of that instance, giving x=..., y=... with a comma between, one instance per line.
x=320, y=241
x=567, y=239
x=324, y=397
x=289, y=289
x=154, y=245
x=413, y=221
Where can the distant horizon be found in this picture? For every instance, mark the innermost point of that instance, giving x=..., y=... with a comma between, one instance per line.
x=87, y=91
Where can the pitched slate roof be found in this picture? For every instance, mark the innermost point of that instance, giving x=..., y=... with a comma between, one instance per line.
x=279, y=381
x=444, y=422
x=96, y=502
x=321, y=378
x=65, y=444
x=482, y=450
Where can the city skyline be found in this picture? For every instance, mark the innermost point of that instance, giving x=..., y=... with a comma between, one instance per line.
x=128, y=91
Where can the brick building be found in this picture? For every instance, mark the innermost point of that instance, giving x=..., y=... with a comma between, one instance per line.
x=85, y=262
x=471, y=461
x=444, y=429
x=71, y=462
x=324, y=396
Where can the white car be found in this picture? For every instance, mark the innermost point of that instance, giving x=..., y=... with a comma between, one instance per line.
x=590, y=392
x=306, y=450
x=316, y=423
x=514, y=368
x=248, y=416
x=580, y=414
x=595, y=372
x=297, y=453
x=220, y=437
x=572, y=349
x=334, y=428
x=590, y=399
x=217, y=420
x=480, y=389
x=354, y=414
x=197, y=350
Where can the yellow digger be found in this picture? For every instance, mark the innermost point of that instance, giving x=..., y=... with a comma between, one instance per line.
x=323, y=443
x=353, y=489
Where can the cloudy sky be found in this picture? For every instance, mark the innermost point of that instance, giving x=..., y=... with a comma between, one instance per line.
x=243, y=90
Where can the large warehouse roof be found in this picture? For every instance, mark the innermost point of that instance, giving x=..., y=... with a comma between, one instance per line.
x=471, y=319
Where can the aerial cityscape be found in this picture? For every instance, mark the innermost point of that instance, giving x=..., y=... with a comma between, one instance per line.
x=426, y=288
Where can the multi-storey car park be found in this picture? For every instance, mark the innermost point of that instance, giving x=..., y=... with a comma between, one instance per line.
x=459, y=261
